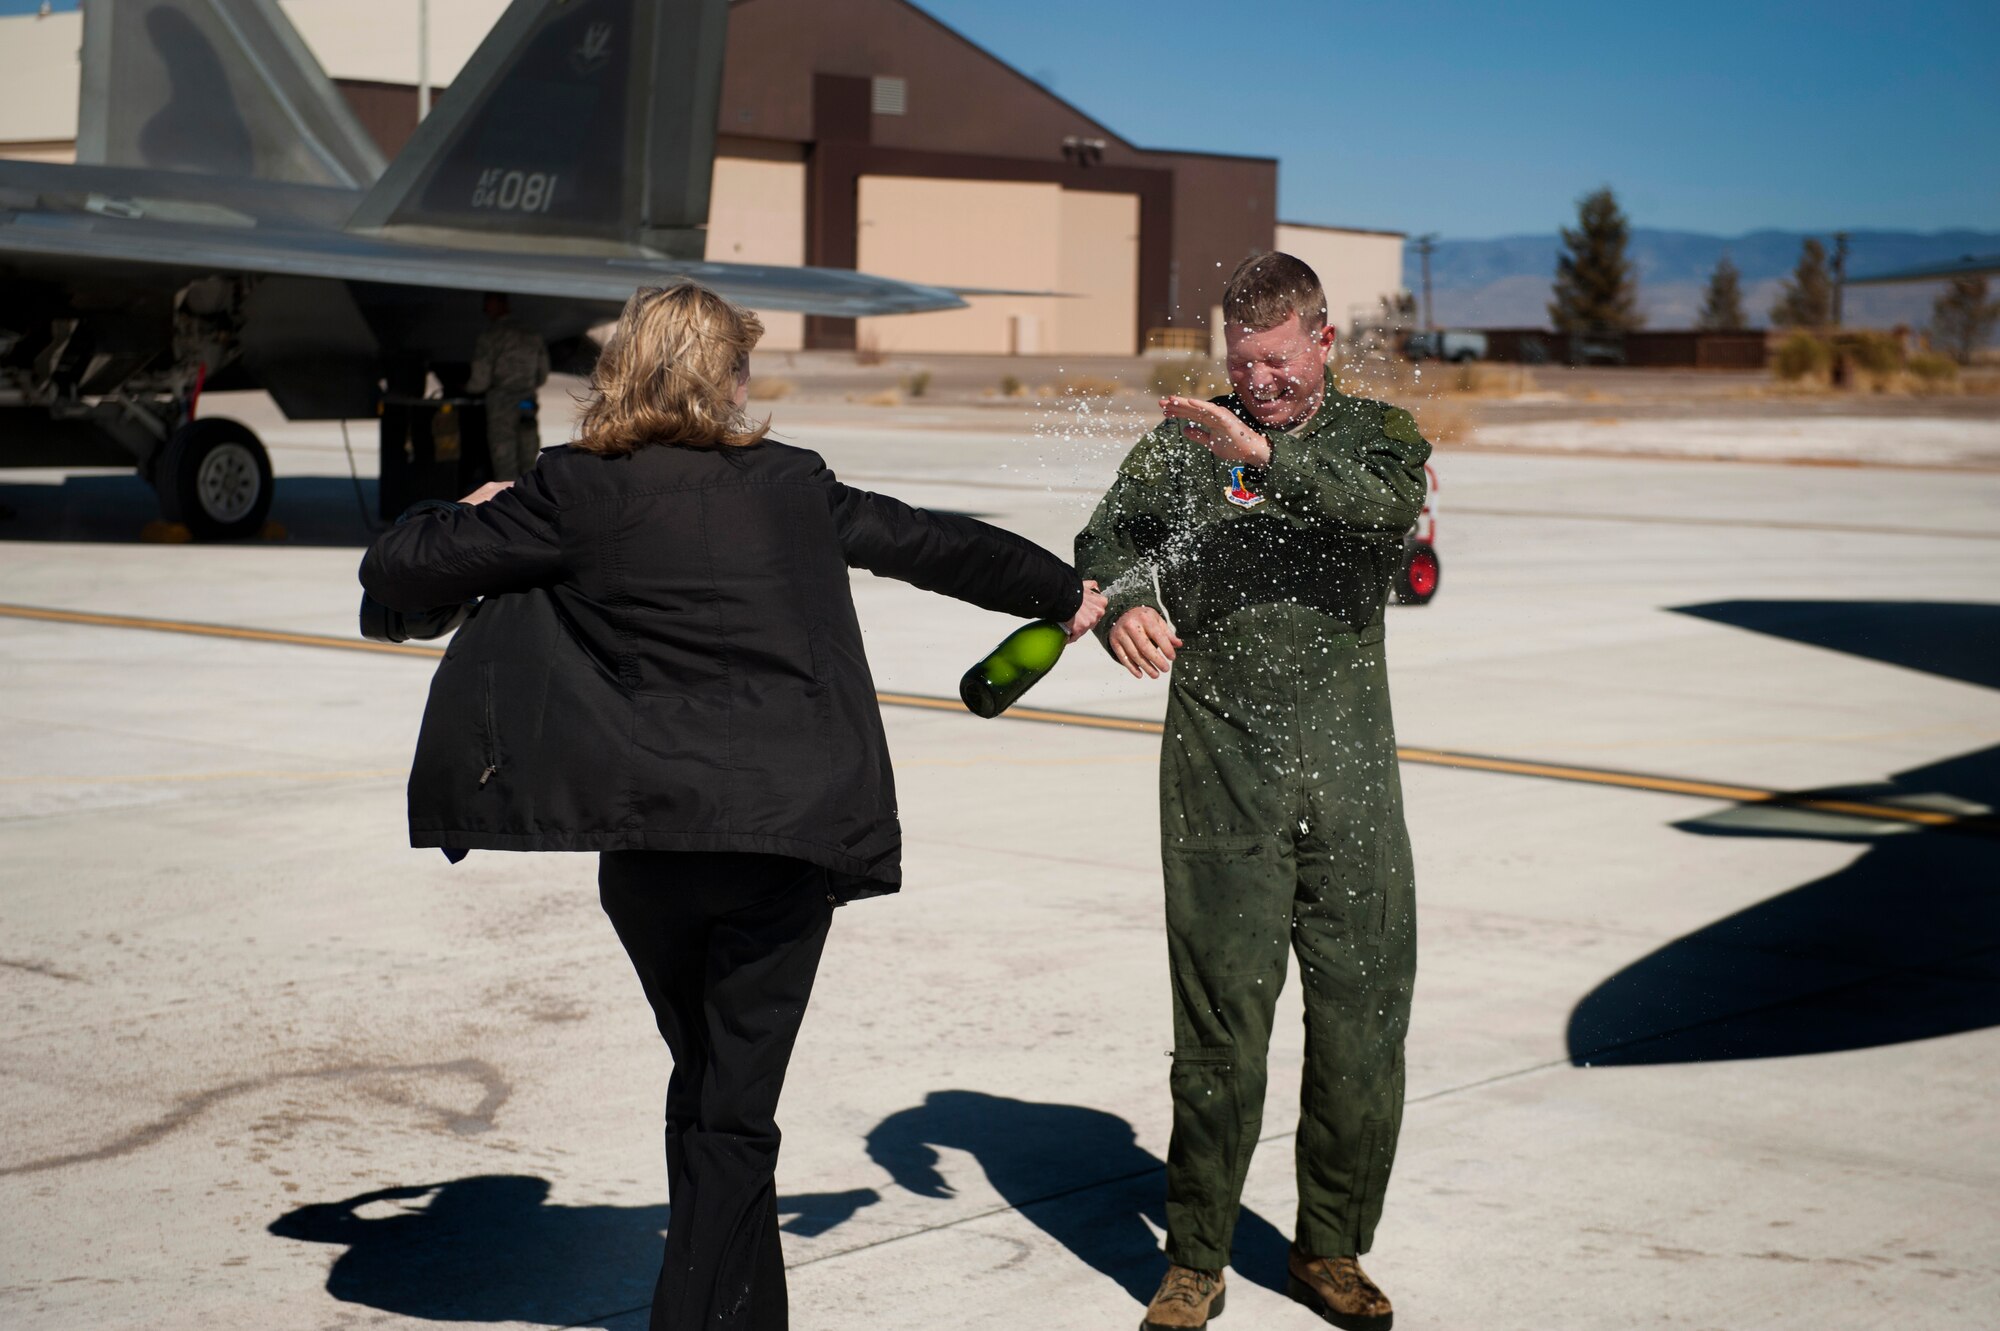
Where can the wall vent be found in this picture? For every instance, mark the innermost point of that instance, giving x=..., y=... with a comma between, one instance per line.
x=891, y=96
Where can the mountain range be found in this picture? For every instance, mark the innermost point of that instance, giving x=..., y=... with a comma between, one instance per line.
x=1504, y=282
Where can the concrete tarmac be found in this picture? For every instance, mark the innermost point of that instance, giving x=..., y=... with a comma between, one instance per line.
x=1677, y=1060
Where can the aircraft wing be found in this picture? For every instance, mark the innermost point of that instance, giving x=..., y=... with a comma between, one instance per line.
x=63, y=239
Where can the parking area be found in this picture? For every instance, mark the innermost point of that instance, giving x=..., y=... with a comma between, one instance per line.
x=1703, y=759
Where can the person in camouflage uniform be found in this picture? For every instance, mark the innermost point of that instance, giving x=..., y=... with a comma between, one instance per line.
x=1272, y=520
x=509, y=362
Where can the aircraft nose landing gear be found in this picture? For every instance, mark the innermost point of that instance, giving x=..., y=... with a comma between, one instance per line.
x=214, y=478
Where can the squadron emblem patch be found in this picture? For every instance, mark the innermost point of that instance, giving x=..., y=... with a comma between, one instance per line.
x=1238, y=493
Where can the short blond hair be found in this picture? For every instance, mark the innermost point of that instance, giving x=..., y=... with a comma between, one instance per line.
x=1267, y=289
x=668, y=374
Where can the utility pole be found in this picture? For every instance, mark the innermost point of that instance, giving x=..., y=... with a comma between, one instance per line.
x=1425, y=244
x=423, y=59
x=1839, y=276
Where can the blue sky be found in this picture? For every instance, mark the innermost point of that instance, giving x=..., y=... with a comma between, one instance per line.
x=1476, y=118
x=1487, y=119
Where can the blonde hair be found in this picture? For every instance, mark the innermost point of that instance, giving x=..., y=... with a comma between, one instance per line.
x=1267, y=289
x=669, y=373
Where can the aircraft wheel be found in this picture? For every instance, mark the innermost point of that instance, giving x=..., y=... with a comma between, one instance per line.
x=1418, y=580
x=215, y=479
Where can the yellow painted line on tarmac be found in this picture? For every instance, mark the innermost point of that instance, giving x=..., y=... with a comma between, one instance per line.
x=213, y=630
x=1981, y=824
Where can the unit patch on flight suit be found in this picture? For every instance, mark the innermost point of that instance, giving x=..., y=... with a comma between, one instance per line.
x=1238, y=493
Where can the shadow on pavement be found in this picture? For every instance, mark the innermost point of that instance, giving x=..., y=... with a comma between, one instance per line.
x=1954, y=639
x=492, y=1248
x=1078, y=1174
x=118, y=507
x=1902, y=944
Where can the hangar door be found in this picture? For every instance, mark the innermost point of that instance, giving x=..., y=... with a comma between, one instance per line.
x=1012, y=235
x=757, y=214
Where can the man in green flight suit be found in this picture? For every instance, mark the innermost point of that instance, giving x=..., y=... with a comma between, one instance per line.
x=509, y=363
x=1272, y=520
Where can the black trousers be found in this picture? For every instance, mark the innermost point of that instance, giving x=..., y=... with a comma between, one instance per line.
x=726, y=946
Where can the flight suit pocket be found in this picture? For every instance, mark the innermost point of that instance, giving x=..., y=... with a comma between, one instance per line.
x=1228, y=904
x=1373, y=1159
x=1207, y=1125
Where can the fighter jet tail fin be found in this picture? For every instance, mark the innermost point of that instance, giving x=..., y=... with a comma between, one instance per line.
x=585, y=126
x=217, y=87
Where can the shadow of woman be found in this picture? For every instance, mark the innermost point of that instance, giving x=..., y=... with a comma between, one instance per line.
x=1078, y=1174
x=491, y=1248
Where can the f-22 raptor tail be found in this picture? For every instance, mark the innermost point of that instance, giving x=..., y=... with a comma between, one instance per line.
x=217, y=87
x=579, y=126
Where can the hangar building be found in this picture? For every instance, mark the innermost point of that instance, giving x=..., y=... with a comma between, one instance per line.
x=866, y=134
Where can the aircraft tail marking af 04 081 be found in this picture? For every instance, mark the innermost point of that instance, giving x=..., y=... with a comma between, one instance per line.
x=229, y=225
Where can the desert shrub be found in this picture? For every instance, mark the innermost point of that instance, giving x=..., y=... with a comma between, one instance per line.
x=1802, y=356
x=1189, y=378
x=868, y=350
x=888, y=397
x=1090, y=385
x=1932, y=370
x=1441, y=421
x=1482, y=379
x=919, y=383
x=1876, y=354
x=764, y=389
x=1011, y=387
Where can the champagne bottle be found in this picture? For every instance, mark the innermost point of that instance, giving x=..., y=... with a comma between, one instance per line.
x=1011, y=669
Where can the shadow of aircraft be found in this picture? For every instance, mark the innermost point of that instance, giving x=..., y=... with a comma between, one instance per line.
x=1902, y=944
x=1078, y=1174
x=120, y=507
x=491, y=1248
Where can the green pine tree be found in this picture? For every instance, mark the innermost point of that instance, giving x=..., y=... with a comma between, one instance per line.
x=1807, y=299
x=1962, y=319
x=1722, y=308
x=1596, y=288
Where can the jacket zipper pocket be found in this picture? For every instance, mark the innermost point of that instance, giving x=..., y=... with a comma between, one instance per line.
x=492, y=732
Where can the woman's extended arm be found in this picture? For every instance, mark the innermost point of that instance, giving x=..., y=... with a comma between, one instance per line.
x=956, y=556
x=509, y=540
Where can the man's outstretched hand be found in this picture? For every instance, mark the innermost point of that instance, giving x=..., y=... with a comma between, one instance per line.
x=1088, y=614
x=1217, y=429
x=1142, y=642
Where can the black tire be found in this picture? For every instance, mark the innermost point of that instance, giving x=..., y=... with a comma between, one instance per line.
x=1417, y=581
x=214, y=478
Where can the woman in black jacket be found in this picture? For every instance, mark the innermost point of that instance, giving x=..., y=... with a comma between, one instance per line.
x=667, y=669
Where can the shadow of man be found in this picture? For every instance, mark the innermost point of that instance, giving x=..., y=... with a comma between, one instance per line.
x=491, y=1248
x=1078, y=1174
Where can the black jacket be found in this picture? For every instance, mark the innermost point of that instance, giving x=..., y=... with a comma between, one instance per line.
x=667, y=656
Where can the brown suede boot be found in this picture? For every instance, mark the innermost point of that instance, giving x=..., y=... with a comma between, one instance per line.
x=1187, y=1299
x=1339, y=1291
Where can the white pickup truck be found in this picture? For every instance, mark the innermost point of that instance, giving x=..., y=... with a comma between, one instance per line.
x=1455, y=345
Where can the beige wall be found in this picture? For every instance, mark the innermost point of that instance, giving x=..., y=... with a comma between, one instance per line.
x=377, y=39
x=1100, y=275
x=1014, y=235
x=1357, y=268
x=38, y=84
x=963, y=233
x=352, y=39
x=757, y=214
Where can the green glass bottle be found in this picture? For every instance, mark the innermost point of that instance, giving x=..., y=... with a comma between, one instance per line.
x=1011, y=669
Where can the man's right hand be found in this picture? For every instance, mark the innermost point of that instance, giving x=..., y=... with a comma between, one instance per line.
x=1142, y=642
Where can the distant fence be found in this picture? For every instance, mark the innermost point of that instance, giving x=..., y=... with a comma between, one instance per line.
x=1683, y=348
